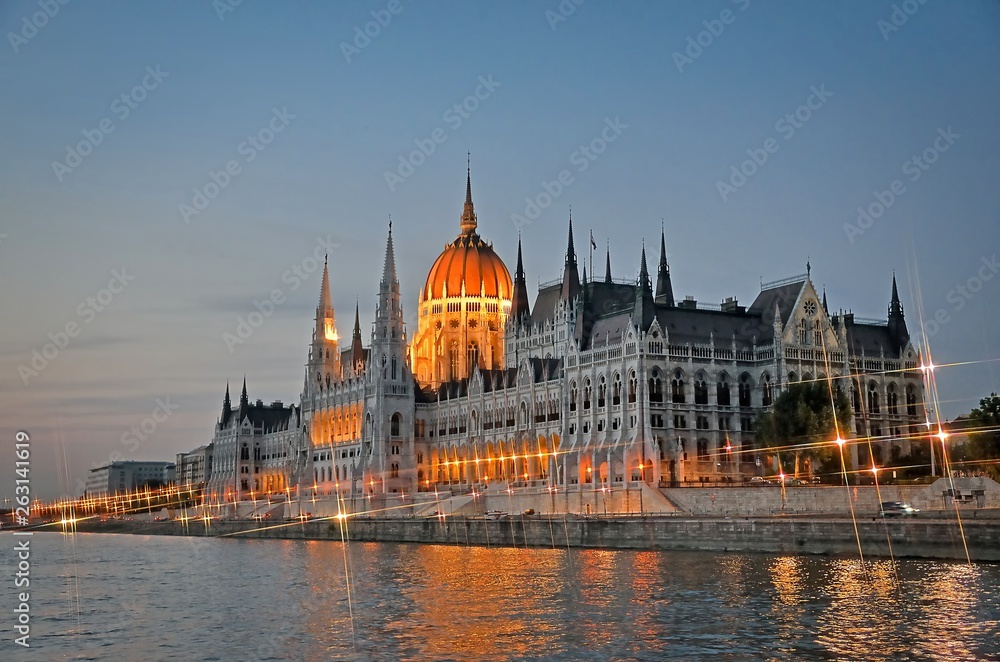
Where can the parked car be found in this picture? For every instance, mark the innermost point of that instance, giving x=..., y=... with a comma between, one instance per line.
x=896, y=509
x=757, y=479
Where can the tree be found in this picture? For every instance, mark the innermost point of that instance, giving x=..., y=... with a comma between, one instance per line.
x=984, y=433
x=802, y=420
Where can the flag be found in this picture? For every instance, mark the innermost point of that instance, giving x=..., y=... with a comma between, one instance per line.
x=593, y=244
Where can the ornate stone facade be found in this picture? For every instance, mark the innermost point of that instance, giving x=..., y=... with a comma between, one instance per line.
x=599, y=383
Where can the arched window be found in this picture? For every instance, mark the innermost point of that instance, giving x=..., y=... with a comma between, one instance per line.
x=632, y=386
x=677, y=388
x=855, y=396
x=473, y=356
x=601, y=391
x=616, y=393
x=872, y=398
x=572, y=396
x=394, y=367
x=744, y=388
x=817, y=335
x=792, y=378
x=394, y=424
x=655, y=387
x=453, y=361
x=803, y=332
x=722, y=390
x=586, y=393
x=911, y=401
x=892, y=399
x=767, y=390
x=700, y=390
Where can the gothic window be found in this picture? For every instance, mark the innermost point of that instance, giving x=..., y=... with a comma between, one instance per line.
x=473, y=356
x=817, y=336
x=394, y=367
x=722, y=391
x=855, y=396
x=394, y=424
x=892, y=400
x=803, y=332
x=743, y=390
x=655, y=387
x=767, y=391
x=677, y=388
x=572, y=396
x=616, y=394
x=700, y=390
x=453, y=361
x=632, y=386
x=586, y=394
x=911, y=401
x=601, y=391
x=872, y=398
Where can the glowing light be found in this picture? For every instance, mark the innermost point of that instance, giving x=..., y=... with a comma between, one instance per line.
x=942, y=435
x=874, y=471
x=840, y=442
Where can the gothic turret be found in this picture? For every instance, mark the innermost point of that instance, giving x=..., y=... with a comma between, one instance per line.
x=357, y=349
x=642, y=313
x=664, y=289
x=244, y=400
x=897, y=323
x=388, y=347
x=227, y=408
x=324, y=354
x=571, y=276
x=607, y=265
x=519, y=310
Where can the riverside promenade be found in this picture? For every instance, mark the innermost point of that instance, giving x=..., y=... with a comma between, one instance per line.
x=937, y=537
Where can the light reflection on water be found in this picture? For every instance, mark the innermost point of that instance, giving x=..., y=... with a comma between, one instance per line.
x=166, y=598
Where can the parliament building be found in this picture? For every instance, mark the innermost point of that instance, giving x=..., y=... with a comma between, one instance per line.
x=600, y=382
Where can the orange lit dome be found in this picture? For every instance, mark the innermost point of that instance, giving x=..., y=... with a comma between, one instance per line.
x=471, y=261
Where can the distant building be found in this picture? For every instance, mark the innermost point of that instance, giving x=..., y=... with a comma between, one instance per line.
x=603, y=381
x=120, y=477
x=194, y=468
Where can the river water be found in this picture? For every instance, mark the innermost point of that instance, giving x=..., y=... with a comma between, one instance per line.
x=123, y=597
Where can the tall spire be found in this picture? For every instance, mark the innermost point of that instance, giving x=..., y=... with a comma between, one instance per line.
x=324, y=292
x=244, y=401
x=519, y=297
x=389, y=270
x=895, y=307
x=826, y=309
x=227, y=408
x=642, y=313
x=571, y=276
x=357, y=349
x=607, y=265
x=469, y=221
x=897, y=323
x=664, y=289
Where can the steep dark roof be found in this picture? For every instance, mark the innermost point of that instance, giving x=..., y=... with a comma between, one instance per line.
x=784, y=295
x=872, y=340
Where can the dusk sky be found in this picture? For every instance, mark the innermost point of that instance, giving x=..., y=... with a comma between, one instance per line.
x=201, y=80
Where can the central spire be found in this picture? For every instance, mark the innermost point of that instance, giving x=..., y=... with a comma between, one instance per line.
x=469, y=221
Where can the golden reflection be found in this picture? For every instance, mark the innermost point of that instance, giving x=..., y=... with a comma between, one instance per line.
x=864, y=614
x=948, y=622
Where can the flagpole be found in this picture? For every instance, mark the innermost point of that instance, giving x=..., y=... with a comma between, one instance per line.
x=591, y=254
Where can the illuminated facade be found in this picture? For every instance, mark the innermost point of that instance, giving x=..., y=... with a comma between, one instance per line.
x=463, y=308
x=601, y=382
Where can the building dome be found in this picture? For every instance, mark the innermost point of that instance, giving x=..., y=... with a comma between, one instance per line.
x=471, y=262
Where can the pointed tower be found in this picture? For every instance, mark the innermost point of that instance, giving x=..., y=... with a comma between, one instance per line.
x=519, y=309
x=357, y=349
x=897, y=323
x=664, y=289
x=571, y=276
x=607, y=265
x=388, y=346
x=826, y=308
x=642, y=313
x=244, y=400
x=324, y=354
x=227, y=408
